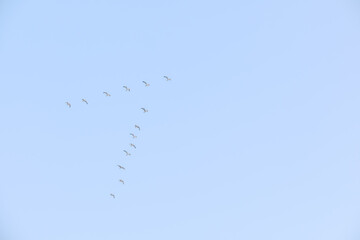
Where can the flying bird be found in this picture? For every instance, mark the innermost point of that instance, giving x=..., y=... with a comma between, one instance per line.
x=132, y=145
x=136, y=126
x=84, y=101
x=127, y=154
x=122, y=181
x=121, y=167
x=126, y=88
x=133, y=135
x=69, y=105
x=145, y=110
x=146, y=84
x=107, y=94
x=167, y=78
x=112, y=195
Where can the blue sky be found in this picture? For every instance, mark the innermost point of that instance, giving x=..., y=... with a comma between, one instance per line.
x=256, y=137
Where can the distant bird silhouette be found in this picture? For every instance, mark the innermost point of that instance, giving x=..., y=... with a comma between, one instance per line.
x=122, y=181
x=145, y=110
x=146, y=84
x=127, y=153
x=136, y=126
x=121, y=167
x=106, y=94
x=69, y=105
x=112, y=195
x=167, y=78
x=84, y=101
x=132, y=145
x=126, y=88
x=133, y=135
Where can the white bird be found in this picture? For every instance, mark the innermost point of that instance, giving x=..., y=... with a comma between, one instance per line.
x=133, y=135
x=167, y=78
x=84, y=101
x=69, y=105
x=146, y=84
x=107, y=94
x=145, y=110
x=127, y=154
x=126, y=88
x=112, y=195
x=136, y=126
x=121, y=167
x=122, y=181
x=132, y=145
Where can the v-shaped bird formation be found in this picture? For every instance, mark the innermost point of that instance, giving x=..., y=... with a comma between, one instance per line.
x=132, y=145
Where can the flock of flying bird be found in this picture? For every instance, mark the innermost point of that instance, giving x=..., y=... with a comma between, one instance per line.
x=136, y=126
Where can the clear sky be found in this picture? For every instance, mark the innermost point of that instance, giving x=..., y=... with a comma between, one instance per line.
x=257, y=135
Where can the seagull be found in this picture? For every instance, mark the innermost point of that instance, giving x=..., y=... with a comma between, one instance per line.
x=126, y=88
x=84, y=101
x=145, y=110
x=133, y=135
x=67, y=103
x=132, y=145
x=136, y=126
x=127, y=154
x=146, y=84
x=167, y=78
x=121, y=167
x=107, y=94
x=112, y=195
x=121, y=181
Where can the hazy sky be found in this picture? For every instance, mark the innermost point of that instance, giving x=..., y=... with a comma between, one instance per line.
x=256, y=137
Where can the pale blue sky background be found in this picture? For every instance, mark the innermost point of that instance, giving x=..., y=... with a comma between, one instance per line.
x=256, y=137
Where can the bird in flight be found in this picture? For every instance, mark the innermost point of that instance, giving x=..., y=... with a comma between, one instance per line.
x=146, y=84
x=132, y=145
x=122, y=181
x=167, y=78
x=84, y=101
x=112, y=195
x=145, y=110
x=69, y=105
x=133, y=135
x=136, y=126
x=106, y=94
x=126, y=88
x=127, y=153
x=121, y=167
